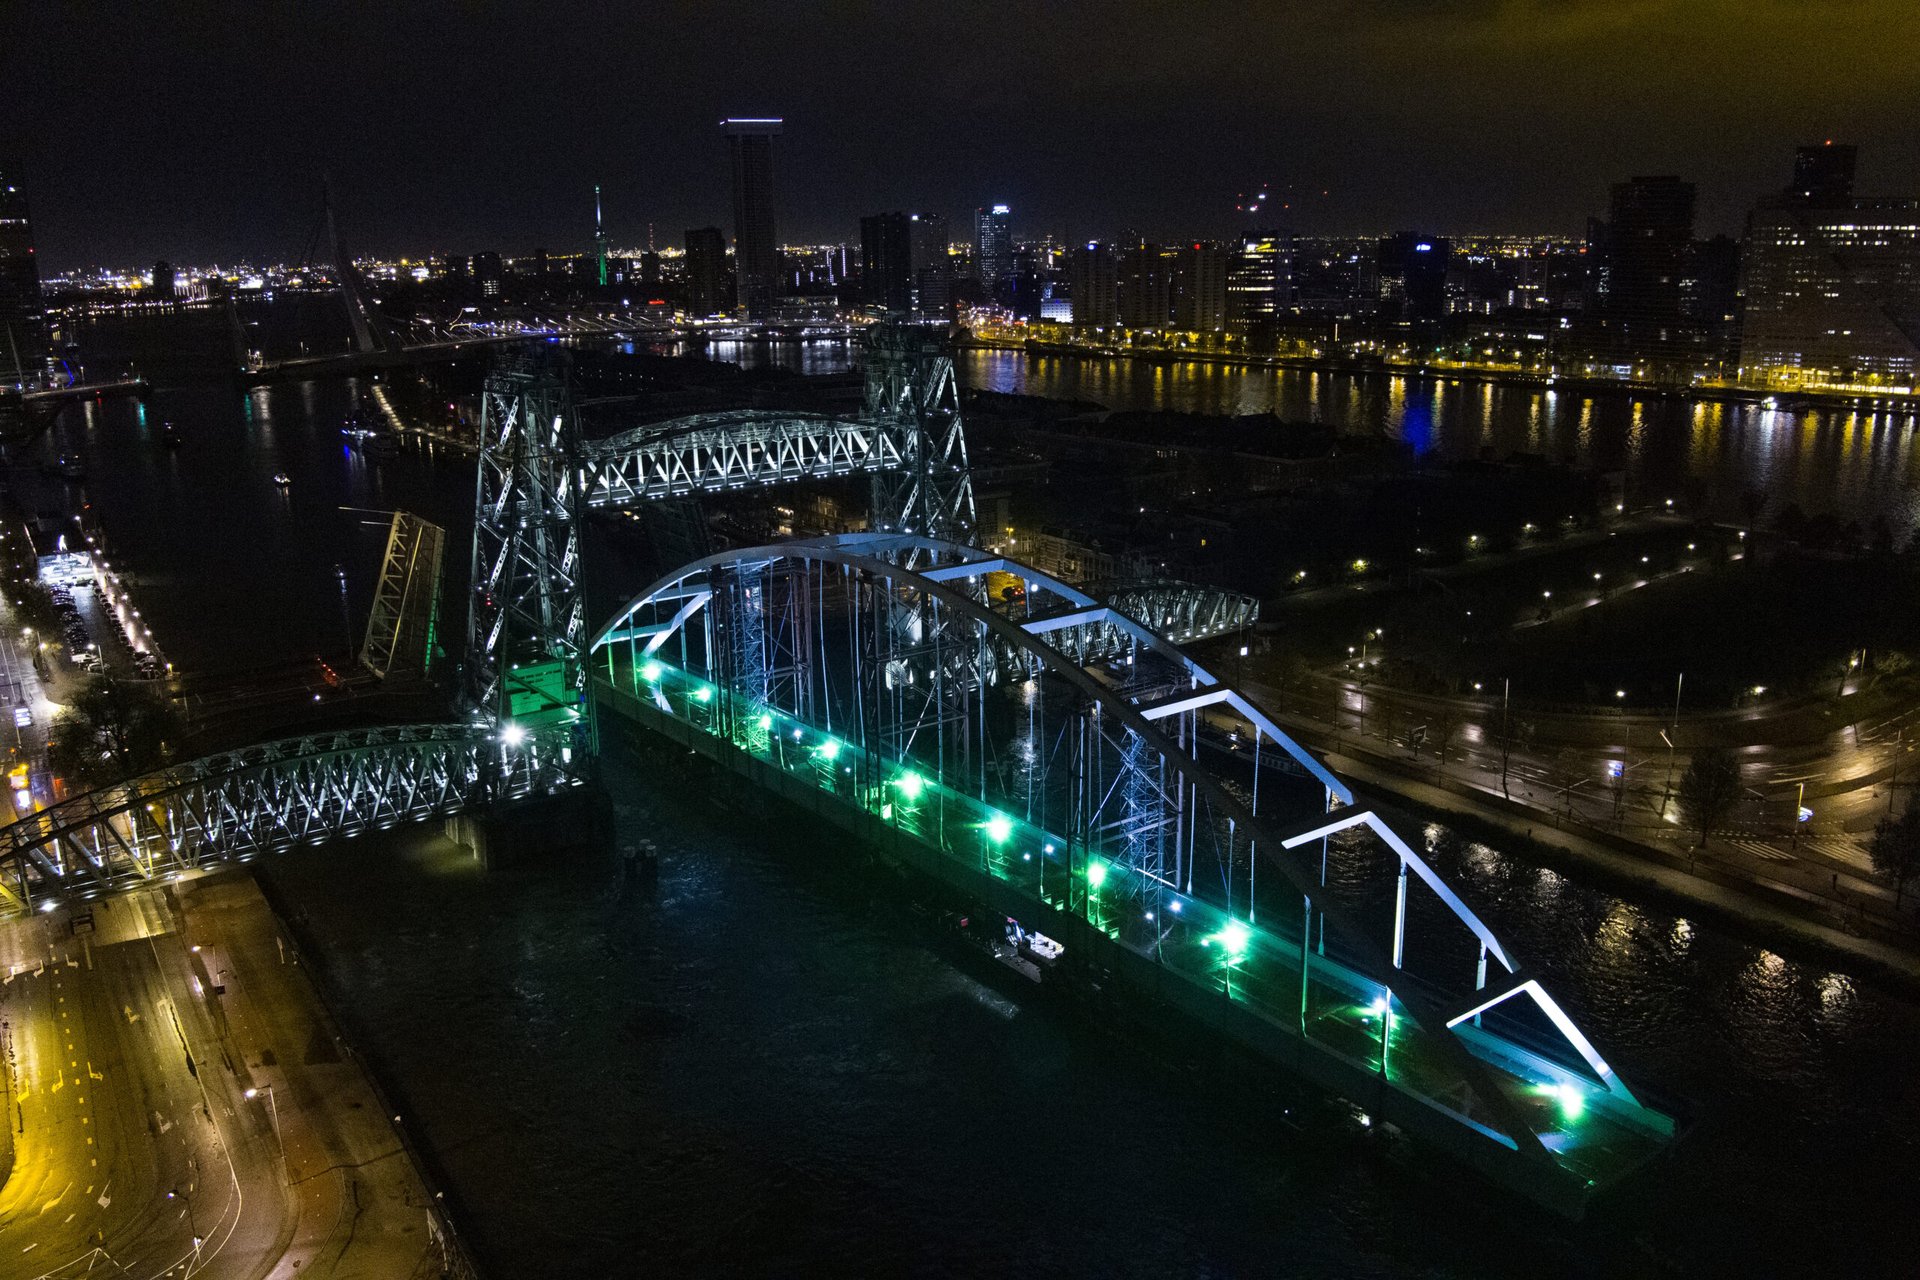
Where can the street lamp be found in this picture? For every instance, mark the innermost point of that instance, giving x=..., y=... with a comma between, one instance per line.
x=273, y=1107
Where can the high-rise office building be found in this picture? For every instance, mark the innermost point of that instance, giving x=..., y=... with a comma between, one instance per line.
x=992, y=247
x=709, y=290
x=1832, y=282
x=1823, y=175
x=1142, y=288
x=1649, y=251
x=1027, y=286
x=1259, y=281
x=756, y=247
x=1093, y=279
x=1199, y=288
x=163, y=288
x=886, y=262
x=489, y=274
x=1412, y=275
x=932, y=256
x=22, y=318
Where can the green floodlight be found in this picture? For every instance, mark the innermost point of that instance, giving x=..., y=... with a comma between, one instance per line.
x=828, y=750
x=703, y=694
x=766, y=722
x=1234, y=936
x=1096, y=874
x=911, y=785
x=651, y=673
x=999, y=828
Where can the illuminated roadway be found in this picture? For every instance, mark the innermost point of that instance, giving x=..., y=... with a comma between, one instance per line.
x=119, y=1098
x=134, y=1048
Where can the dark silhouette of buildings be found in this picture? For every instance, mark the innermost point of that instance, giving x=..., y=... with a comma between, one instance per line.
x=709, y=286
x=23, y=335
x=163, y=287
x=1199, y=288
x=932, y=258
x=1093, y=281
x=886, y=262
x=1643, y=254
x=1412, y=276
x=756, y=248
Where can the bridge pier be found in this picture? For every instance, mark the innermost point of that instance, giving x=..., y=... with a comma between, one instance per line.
x=568, y=823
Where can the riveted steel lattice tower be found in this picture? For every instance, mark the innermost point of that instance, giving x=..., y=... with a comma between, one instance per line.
x=910, y=380
x=526, y=616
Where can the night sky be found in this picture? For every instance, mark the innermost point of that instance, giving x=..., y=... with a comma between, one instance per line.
x=198, y=132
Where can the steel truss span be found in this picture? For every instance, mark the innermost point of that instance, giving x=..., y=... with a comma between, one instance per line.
x=1079, y=771
x=713, y=453
x=271, y=797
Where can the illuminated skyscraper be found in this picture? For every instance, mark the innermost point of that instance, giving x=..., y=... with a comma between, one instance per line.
x=993, y=246
x=1832, y=281
x=1259, y=281
x=932, y=267
x=22, y=320
x=756, y=247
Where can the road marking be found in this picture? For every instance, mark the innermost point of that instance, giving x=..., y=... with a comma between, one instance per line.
x=104, y=1199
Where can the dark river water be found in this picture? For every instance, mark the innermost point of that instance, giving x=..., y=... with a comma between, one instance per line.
x=772, y=1067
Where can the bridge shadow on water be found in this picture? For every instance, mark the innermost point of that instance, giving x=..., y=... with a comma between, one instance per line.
x=778, y=1062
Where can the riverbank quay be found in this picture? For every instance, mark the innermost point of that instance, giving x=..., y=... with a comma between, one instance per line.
x=1442, y=370
x=361, y=1205
x=1773, y=915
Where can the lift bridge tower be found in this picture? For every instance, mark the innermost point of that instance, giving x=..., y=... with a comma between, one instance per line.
x=910, y=383
x=526, y=615
x=526, y=620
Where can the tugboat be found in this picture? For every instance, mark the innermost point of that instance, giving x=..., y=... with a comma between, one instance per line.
x=282, y=479
x=356, y=428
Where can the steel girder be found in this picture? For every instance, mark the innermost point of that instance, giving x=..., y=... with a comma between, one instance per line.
x=712, y=453
x=1053, y=743
x=274, y=796
x=406, y=601
x=1181, y=611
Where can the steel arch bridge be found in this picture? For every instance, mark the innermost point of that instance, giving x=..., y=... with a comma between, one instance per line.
x=275, y=796
x=1045, y=752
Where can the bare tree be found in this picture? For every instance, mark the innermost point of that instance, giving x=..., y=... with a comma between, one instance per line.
x=1895, y=851
x=1709, y=789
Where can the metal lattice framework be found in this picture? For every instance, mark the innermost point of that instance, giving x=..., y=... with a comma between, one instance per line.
x=526, y=616
x=271, y=797
x=717, y=452
x=1180, y=611
x=1060, y=754
x=910, y=381
x=406, y=600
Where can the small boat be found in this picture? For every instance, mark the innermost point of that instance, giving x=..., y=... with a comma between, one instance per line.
x=282, y=479
x=356, y=428
x=170, y=435
x=67, y=467
x=381, y=445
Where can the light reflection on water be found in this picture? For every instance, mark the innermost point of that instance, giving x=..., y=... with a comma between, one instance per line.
x=1856, y=463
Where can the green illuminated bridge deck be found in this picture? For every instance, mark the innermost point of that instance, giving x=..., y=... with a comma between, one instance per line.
x=1046, y=755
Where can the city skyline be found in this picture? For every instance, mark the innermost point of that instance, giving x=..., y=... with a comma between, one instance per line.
x=1447, y=117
